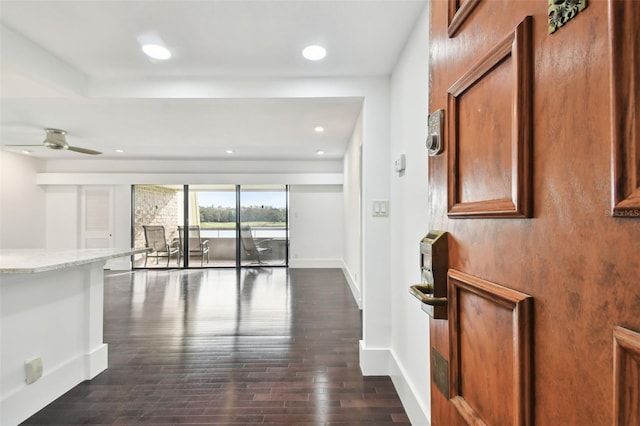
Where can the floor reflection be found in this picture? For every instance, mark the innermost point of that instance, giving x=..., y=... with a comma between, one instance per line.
x=224, y=302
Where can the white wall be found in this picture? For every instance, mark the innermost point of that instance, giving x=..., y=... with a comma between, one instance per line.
x=316, y=226
x=409, y=210
x=22, y=203
x=63, y=209
x=376, y=315
x=353, y=213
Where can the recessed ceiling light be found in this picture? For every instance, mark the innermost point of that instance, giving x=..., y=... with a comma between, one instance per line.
x=314, y=52
x=119, y=151
x=319, y=152
x=319, y=129
x=229, y=151
x=156, y=51
x=26, y=151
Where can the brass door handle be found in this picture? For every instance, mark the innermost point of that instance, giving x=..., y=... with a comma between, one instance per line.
x=424, y=293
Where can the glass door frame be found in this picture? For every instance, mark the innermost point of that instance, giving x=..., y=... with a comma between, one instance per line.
x=238, y=221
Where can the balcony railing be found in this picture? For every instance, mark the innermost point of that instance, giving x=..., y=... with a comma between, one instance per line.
x=222, y=248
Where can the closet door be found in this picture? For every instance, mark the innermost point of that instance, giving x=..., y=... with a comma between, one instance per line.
x=96, y=217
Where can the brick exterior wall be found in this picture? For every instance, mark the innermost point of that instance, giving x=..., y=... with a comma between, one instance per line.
x=155, y=205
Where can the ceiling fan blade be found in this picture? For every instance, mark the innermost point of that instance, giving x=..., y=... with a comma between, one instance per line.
x=22, y=145
x=83, y=150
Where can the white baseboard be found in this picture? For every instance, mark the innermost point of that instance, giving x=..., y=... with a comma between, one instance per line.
x=382, y=362
x=315, y=263
x=96, y=362
x=418, y=414
x=29, y=399
x=374, y=361
x=353, y=285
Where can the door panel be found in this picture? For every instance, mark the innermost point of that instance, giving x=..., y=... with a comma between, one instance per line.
x=625, y=34
x=577, y=262
x=490, y=333
x=626, y=377
x=489, y=129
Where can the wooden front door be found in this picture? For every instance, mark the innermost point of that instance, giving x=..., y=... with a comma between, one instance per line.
x=538, y=188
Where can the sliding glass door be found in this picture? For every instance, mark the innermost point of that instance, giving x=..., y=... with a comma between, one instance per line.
x=199, y=226
x=212, y=212
x=157, y=210
x=264, y=230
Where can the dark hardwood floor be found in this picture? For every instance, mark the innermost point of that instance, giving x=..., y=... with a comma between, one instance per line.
x=261, y=346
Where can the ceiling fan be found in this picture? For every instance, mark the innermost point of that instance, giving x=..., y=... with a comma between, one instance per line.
x=55, y=139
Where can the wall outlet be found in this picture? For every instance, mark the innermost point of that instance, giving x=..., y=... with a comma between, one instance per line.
x=400, y=163
x=33, y=369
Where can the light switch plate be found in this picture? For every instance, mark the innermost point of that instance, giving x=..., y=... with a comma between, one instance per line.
x=380, y=208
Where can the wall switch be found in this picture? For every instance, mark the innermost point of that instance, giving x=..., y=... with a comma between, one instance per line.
x=381, y=208
x=33, y=369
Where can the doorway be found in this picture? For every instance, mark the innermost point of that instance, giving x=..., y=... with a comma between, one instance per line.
x=212, y=226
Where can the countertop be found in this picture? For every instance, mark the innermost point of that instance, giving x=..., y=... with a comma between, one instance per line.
x=28, y=261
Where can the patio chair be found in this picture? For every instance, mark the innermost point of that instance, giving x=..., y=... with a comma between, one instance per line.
x=254, y=250
x=197, y=246
x=156, y=240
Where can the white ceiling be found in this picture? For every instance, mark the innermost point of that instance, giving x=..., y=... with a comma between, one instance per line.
x=58, y=56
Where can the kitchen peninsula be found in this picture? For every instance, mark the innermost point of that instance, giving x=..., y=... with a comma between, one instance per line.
x=51, y=335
